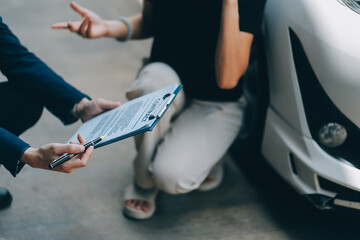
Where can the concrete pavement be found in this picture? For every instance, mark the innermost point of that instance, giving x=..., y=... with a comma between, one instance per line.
x=252, y=203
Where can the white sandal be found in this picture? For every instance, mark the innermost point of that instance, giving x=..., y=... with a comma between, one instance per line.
x=217, y=174
x=133, y=192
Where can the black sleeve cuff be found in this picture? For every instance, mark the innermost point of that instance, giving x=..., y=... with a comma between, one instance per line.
x=20, y=164
x=250, y=15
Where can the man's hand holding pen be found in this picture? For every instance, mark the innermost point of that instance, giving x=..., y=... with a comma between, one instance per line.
x=43, y=156
x=66, y=157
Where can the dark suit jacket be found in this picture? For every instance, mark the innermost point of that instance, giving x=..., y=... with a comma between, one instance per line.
x=33, y=78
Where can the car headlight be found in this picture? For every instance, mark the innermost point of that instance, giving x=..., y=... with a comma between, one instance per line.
x=353, y=5
x=332, y=135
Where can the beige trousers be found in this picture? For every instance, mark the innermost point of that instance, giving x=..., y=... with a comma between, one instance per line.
x=187, y=142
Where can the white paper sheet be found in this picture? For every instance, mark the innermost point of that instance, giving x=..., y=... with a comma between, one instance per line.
x=128, y=118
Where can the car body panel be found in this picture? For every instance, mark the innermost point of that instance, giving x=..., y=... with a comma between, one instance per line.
x=327, y=32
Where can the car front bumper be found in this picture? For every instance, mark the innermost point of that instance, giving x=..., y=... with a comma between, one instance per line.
x=308, y=168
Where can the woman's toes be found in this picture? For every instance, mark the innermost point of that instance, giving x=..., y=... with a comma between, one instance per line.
x=208, y=180
x=130, y=203
x=139, y=204
x=146, y=206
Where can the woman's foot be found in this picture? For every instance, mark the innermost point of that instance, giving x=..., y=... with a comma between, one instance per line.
x=214, y=179
x=139, y=203
x=208, y=180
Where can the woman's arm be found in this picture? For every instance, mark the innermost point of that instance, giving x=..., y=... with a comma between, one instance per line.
x=142, y=24
x=93, y=26
x=233, y=47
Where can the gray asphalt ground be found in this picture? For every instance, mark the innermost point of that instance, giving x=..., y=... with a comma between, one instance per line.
x=252, y=203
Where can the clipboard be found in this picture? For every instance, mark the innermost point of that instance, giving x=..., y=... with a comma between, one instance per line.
x=131, y=118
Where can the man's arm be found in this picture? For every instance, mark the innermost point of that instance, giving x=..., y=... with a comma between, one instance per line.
x=35, y=79
x=15, y=153
x=11, y=149
x=38, y=82
x=43, y=156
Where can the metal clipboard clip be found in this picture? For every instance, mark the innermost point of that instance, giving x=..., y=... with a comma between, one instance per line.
x=167, y=99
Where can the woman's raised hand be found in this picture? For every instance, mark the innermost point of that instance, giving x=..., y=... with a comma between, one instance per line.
x=91, y=25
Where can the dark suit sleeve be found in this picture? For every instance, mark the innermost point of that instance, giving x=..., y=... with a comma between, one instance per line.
x=34, y=78
x=11, y=150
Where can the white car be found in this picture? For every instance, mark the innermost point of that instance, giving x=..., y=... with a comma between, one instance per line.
x=310, y=132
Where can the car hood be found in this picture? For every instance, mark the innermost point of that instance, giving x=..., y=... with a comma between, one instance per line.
x=331, y=43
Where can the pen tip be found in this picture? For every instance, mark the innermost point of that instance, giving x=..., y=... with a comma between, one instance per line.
x=103, y=137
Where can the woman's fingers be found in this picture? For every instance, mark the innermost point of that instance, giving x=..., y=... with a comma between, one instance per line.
x=84, y=27
x=74, y=26
x=79, y=9
x=91, y=25
x=61, y=25
x=79, y=27
x=89, y=33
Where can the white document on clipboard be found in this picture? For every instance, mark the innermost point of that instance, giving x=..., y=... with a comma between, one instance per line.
x=136, y=116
